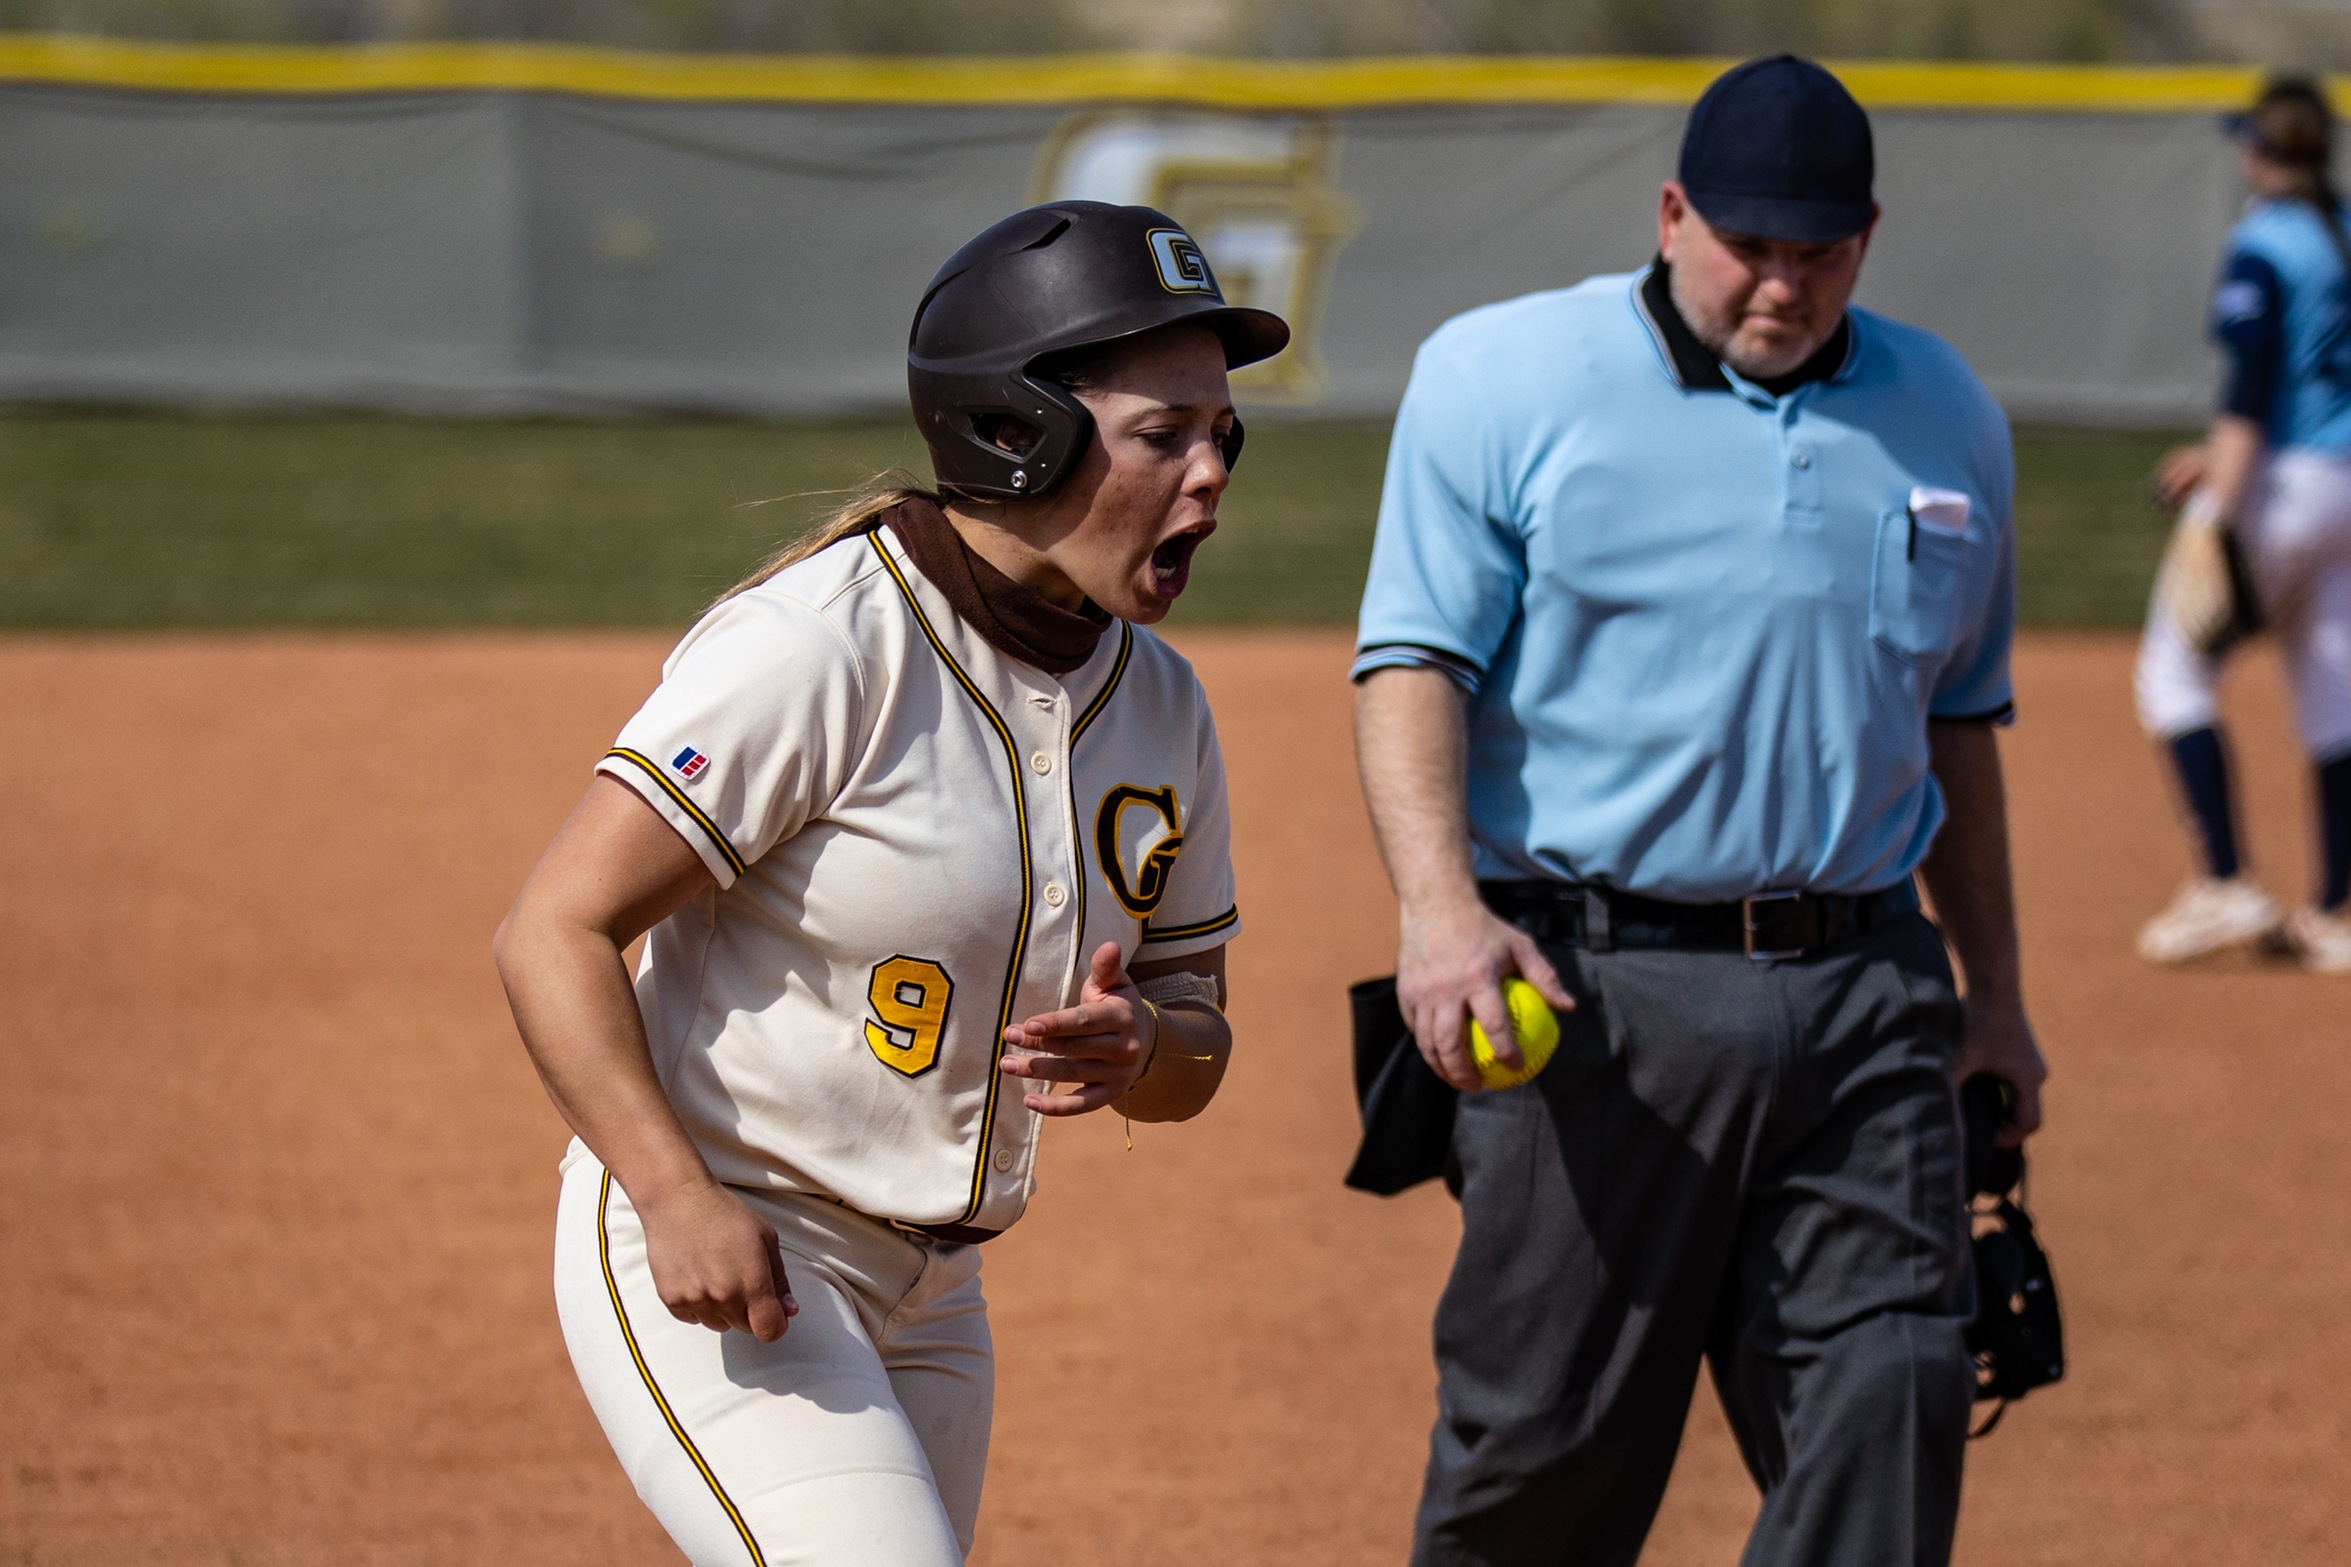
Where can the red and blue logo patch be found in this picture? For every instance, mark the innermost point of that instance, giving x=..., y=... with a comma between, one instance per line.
x=689, y=763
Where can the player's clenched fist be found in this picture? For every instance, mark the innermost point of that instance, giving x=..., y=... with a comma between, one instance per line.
x=1101, y=1047
x=716, y=1263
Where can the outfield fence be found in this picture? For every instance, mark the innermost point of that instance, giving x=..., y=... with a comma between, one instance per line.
x=514, y=229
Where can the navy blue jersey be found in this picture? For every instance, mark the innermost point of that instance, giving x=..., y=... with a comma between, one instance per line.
x=2282, y=312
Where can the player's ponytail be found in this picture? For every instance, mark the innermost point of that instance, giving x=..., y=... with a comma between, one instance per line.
x=1078, y=370
x=853, y=516
x=2292, y=126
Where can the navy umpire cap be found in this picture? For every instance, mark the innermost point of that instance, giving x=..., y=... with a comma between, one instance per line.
x=1778, y=149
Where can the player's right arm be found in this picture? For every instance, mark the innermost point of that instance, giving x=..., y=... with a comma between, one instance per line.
x=615, y=870
x=1452, y=953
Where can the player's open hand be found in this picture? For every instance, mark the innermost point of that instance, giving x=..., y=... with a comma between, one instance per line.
x=716, y=1262
x=1449, y=968
x=1097, y=1048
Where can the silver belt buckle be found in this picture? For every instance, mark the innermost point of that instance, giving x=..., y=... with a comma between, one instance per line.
x=1747, y=918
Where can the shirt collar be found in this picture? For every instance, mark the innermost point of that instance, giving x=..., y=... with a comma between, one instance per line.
x=1694, y=365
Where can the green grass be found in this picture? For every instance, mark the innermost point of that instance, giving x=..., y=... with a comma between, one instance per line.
x=116, y=520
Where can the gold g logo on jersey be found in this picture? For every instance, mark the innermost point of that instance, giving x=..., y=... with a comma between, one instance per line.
x=909, y=996
x=1140, y=896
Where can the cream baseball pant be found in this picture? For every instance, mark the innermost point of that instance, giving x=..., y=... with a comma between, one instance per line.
x=858, y=1439
x=2296, y=535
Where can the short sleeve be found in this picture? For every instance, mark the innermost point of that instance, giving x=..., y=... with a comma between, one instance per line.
x=1975, y=683
x=2248, y=319
x=1200, y=909
x=1448, y=564
x=754, y=728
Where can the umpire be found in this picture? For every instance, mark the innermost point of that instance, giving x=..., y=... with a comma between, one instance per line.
x=1686, y=635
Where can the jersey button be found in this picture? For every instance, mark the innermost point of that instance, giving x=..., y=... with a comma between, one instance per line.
x=1054, y=894
x=1041, y=762
x=1801, y=457
x=1003, y=1160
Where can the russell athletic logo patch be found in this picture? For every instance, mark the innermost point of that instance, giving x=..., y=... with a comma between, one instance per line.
x=690, y=764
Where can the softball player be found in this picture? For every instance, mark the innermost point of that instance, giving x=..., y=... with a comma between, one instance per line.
x=922, y=823
x=2276, y=474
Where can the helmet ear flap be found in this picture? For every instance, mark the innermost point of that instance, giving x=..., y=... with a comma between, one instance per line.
x=964, y=415
x=1067, y=429
x=1230, y=446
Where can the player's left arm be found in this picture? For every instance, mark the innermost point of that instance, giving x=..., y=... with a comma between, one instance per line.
x=1157, y=1060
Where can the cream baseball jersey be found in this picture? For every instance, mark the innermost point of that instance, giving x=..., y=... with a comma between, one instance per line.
x=917, y=841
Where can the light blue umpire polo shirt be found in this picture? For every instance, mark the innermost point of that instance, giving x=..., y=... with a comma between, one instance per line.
x=1704, y=629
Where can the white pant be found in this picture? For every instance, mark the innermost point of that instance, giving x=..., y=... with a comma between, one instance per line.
x=2296, y=535
x=858, y=1439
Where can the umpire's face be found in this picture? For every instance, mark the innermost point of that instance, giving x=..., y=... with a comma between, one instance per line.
x=1763, y=305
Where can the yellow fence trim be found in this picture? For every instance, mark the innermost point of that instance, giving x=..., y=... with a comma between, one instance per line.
x=1074, y=79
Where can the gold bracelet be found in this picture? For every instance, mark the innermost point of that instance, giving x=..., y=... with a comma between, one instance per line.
x=1152, y=1054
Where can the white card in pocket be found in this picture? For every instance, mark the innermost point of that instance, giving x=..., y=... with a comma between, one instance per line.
x=1939, y=511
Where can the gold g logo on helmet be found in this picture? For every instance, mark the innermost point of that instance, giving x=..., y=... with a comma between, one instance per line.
x=1182, y=268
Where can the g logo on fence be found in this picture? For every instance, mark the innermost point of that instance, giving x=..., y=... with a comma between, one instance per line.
x=1262, y=220
x=1182, y=269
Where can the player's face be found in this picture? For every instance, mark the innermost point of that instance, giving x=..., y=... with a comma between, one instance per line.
x=1764, y=306
x=1123, y=526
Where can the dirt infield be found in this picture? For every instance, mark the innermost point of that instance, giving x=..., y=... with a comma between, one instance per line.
x=276, y=1182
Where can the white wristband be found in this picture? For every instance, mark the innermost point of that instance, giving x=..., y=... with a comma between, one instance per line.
x=1179, y=988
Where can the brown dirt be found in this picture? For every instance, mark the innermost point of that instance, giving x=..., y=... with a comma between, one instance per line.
x=276, y=1182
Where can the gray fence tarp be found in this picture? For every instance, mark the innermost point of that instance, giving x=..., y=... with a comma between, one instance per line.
x=522, y=251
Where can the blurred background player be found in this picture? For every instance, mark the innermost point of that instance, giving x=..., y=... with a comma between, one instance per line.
x=921, y=824
x=2275, y=473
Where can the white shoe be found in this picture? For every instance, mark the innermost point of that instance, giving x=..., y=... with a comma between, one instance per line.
x=2321, y=940
x=2207, y=916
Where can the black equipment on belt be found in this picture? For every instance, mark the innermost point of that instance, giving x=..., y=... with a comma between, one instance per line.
x=2017, y=1337
x=1408, y=1109
x=1768, y=925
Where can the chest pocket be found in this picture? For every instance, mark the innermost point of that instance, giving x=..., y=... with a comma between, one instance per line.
x=1923, y=588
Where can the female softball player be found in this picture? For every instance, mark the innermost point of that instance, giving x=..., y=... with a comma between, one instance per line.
x=2274, y=477
x=930, y=838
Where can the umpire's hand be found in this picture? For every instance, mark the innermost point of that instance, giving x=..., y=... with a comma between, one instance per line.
x=1450, y=965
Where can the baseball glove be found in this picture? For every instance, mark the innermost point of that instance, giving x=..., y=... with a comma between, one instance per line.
x=2203, y=583
x=2017, y=1337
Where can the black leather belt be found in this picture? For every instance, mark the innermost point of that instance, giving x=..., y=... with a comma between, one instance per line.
x=1764, y=926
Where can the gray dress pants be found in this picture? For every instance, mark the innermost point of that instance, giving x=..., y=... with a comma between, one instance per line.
x=1757, y=1164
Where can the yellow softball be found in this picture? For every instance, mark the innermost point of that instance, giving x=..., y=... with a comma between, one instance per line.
x=1536, y=1026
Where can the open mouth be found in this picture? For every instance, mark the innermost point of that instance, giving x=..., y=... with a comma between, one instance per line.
x=1171, y=563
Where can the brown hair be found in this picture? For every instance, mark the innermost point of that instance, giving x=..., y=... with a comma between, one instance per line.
x=856, y=515
x=2292, y=125
x=1081, y=369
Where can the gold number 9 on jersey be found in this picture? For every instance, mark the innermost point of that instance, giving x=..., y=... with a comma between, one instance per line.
x=910, y=996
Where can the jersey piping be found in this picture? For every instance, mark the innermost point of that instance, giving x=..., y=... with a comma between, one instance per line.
x=1126, y=647
x=669, y=1417
x=689, y=807
x=1209, y=927
x=1028, y=875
